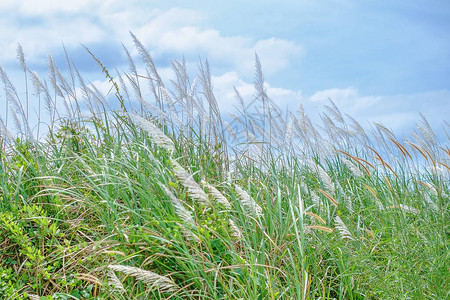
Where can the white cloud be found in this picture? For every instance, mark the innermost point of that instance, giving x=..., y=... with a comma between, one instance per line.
x=275, y=54
x=165, y=33
x=335, y=94
x=45, y=7
x=42, y=26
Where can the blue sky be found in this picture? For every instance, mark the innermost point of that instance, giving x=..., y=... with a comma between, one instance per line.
x=382, y=61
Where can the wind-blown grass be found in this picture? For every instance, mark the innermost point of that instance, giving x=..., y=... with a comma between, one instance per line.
x=162, y=198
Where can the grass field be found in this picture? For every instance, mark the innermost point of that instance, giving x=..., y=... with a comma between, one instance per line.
x=150, y=193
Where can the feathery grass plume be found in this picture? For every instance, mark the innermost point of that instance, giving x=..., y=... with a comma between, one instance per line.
x=182, y=83
x=231, y=132
x=180, y=210
x=216, y=129
x=348, y=204
x=21, y=57
x=16, y=121
x=133, y=78
x=361, y=134
x=88, y=278
x=115, y=282
x=193, y=189
x=13, y=103
x=4, y=132
x=359, y=161
x=123, y=86
x=188, y=234
x=385, y=130
x=235, y=231
x=184, y=215
x=72, y=87
x=336, y=135
x=248, y=201
x=155, y=80
x=343, y=230
x=37, y=85
x=324, y=177
x=155, y=133
x=335, y=112
x=262, y=96
x=160, y=115
x=217, y=195
x=347, y=200
x=57, y=91
x=437, y=170
x=162, y=283
x=53, y=75
x=427, y=132
x=353, y=168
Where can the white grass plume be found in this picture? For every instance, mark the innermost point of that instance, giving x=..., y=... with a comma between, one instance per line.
x=188, y=234
x=162, y=283
x=324, y=177
x=184, y=215
x=217, y=195
x=354, y=169
x=115, y=282
x=193, y=189
x=235, y=231
x=155, y=133
x=180, y=210
x=248, y=201
x=342, y=228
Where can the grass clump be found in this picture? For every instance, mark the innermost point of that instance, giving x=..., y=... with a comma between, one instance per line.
x=135, y=196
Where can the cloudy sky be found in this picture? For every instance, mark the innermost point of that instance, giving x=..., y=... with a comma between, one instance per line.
x=382, y=61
